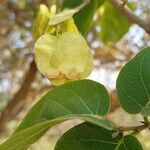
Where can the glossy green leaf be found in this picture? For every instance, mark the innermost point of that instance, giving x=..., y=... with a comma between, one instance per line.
x=87, y=136
x=84, y=18
x=113, y=24
x=133, y=84
x=84, y=99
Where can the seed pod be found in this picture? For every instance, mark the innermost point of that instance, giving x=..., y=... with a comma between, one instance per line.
x=63, y=58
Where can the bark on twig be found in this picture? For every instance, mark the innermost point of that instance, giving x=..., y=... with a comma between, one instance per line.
x=126, y=11
x=134, y=128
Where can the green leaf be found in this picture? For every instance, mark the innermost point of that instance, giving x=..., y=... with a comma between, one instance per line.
x=133, y=84
x=130, y=142
x=84, y=18
x=146, y=111
x=113, y=24
x=84, y=99
x=87, y=136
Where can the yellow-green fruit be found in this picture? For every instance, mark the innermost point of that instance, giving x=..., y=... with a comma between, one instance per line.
x=63, y=58
x=41, y=21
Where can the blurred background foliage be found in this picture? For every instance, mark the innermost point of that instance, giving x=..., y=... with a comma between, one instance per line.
x=113, y=41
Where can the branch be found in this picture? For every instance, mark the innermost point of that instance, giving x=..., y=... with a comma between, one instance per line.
x=134, y=128
x=126, y=11
x=19, y=99
x=114, y=102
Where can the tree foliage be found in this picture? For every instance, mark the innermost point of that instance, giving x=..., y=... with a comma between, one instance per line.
x=63, y=56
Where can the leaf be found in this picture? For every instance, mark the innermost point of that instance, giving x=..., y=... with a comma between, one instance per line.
x=87, y=136
x=133, y=84
x=84, y=99
x=130, y=142
x=146, y=111
x=84, y=18
x=113, y=24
